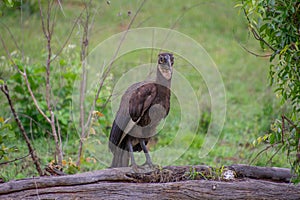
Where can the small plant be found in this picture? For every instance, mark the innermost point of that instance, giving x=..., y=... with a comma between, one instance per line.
x=193, y=174
x=284, y=136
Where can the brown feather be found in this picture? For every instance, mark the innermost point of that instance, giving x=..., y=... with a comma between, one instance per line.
x=141, y=109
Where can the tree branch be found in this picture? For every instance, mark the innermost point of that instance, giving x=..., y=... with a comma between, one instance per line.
x=255, y=54
x=68, y=38
x=14, y=160
x=257, y=155
x=32, y=152
x=11, y=35
x=48, y=35
x=254, y=32
x=25, y=78
x=83, y=54
x=106, y=72
x=33, y=97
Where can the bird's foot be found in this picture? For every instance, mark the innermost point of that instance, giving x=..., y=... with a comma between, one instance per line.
x=150, y=166
x=135, y=168
x=145, y=168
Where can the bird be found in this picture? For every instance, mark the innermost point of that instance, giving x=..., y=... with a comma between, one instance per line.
x=142, y=107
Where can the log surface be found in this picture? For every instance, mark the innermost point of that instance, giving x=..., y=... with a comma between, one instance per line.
x=170, y=183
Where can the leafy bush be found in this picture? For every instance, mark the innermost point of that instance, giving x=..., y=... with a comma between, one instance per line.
x=62, y=83
x=276, y=25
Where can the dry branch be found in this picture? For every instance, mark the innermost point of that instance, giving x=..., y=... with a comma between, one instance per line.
x=122, y=183
x=83, y=55
x=5, y=90
x=48, y=28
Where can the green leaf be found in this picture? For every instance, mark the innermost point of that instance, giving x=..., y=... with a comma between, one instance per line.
x=272, y=139
x=9, y=3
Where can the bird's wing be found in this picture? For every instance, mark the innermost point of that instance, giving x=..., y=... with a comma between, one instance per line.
x=140, y=100
x=136, y=100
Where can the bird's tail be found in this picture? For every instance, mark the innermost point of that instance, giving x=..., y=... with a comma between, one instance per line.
x=120, y=158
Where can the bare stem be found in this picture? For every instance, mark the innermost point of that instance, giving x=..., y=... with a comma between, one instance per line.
x=68, y=38
x=12, y=36
x=14, y=160
x=32, y=152
x=48, y=31
x=255, y=54
x=83, y=54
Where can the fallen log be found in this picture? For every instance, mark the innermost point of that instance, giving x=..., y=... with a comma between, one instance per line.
x=173, y=182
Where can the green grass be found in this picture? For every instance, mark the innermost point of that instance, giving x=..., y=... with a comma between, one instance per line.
x=216, y=25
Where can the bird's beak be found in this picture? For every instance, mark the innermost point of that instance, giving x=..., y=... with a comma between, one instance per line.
x=169, y=63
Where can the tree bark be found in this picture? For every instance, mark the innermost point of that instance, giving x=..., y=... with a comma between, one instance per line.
x=172, y=182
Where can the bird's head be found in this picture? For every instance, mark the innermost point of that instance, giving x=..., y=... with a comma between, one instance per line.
x=165, y=65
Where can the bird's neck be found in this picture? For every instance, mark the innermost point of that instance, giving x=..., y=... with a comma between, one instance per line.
x=161, y=80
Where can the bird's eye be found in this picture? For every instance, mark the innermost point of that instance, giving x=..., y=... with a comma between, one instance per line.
x=161, y=60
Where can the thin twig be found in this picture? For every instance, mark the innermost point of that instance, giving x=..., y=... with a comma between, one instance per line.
x=294, y=126
x=107, y=100
x=83, y=54
x=31, y=119
x=14, y=160
x=257, y=155
x=47, y=30
x=106, y=72
x=254, y=32
x=25, y=78
x=11, y=35
x=271, y=158
x=289, y=121
x=282, y=129
x=61, y=8
x=5, y=90
x=53, y=20
x=33, y=97
x=255, y=54
x=58, y=132
x=68, y=38
x=9, y=55
x=42, y=19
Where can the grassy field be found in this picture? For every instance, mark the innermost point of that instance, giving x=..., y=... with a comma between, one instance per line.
x=250, y=103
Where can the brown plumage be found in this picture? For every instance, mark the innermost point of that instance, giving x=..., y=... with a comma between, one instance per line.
x=142, y=107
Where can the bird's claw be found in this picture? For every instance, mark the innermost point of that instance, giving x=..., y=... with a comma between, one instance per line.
x=135, y=168
x=146, y=167
x=150, y=166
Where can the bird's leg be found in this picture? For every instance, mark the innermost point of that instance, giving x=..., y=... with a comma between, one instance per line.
x=148, y=159
x=133, y=163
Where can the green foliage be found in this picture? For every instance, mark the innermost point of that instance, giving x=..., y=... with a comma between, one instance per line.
x=13, y=6
x=6, y=135
x=32, y=120
x=276, y=25
x=286, y=138
x=9, y=3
